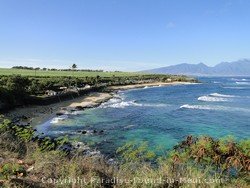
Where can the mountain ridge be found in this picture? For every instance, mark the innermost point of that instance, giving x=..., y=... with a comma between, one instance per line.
x=234, y=68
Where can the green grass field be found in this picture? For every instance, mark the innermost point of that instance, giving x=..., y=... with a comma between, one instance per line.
x=41, y=73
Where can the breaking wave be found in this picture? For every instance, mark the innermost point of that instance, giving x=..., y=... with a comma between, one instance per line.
x=218, y=108
x=200, y=107
x=221, y=95
x=211, y=99
x=120, y=103
x=58, y=119
x=216, y=97
x=123, y=104
x=235, y=87
x=243, y=83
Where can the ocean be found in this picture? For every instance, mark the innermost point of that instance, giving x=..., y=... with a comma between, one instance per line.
x=162, y=116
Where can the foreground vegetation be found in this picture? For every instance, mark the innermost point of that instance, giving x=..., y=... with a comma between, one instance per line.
x=29, y=161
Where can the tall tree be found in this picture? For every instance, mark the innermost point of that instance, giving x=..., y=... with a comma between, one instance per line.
x=74, y=66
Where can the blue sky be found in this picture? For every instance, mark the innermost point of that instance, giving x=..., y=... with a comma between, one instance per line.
x=126, y=35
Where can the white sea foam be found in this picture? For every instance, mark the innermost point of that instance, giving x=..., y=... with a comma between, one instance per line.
x=243, y=83
x=235, y=87
x=58, y=119
x=129, y=126
x=145, y=87
x=214, y=107
x=221, y=95
x=200, y=107
x=156, y=105
x=124, y=104
x=119, y=103
x=211, y=99
x=216, y=97
x=77, y=112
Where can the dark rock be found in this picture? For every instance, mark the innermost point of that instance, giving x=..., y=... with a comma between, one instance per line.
x=79, y=108
x=24, y=117
x=15, y=119
x=84, y=132
x=35, y=138
x=101, y=131
x=94, y=131
x=59, y=113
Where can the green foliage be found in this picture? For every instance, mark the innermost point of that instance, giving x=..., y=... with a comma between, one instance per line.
x=11, y=169
x=49, y=144
x=223, y=156
x=136, y=152
x=74, y=66
x=25, y=133
x=244, y=146
x=202, y=158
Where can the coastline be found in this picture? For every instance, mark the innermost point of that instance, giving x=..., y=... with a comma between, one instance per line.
x=35, y=115
x=126, y=87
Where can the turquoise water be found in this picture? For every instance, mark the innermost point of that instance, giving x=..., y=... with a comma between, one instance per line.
x=162, y=115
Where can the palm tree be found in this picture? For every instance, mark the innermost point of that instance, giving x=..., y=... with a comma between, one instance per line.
x=74, y=66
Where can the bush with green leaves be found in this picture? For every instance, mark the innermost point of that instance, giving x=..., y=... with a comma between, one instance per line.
x=11, y=169
x=225, y=156
x=26, y=133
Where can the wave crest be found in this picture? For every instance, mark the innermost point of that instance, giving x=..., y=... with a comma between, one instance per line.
x=221, y=95
x=211, y=99
x=199, y=107
x=243, y=83
x=120, y=103
x=58, y=119
x=214, y=107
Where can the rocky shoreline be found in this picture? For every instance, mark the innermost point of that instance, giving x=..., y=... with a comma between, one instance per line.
x=35, y=115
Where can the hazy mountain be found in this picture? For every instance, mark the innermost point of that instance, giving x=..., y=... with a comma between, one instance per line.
x=236, y=68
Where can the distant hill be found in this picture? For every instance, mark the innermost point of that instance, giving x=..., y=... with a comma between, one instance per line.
x=236, y=68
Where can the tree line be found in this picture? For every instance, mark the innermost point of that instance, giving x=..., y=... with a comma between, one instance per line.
x=73, y=68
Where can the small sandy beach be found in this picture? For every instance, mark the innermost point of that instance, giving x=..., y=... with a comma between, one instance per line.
x=39, y=114
x=91, y=100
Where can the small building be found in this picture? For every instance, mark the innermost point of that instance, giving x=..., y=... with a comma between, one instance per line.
x=63, y=88
x=169, y=80
x=87, y=86
x=51, y=93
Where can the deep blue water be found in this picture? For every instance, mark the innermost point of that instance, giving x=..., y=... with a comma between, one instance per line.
x=163, y=115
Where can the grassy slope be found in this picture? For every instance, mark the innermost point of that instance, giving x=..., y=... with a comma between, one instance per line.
x=6, y=71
